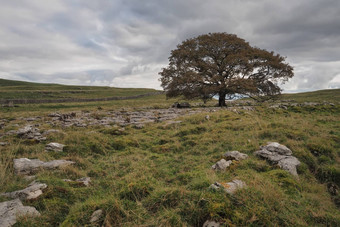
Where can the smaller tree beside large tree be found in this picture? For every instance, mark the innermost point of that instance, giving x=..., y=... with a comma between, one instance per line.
x=221, y=64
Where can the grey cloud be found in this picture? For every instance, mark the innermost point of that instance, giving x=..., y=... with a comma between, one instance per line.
x=126, y=43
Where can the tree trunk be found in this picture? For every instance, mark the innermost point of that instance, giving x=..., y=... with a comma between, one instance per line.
x=221, y=99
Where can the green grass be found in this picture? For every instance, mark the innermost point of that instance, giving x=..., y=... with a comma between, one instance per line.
x=160, y=176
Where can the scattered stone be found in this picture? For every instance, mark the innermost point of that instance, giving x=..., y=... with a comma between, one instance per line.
x=279, y=155
x=122, y=117
x=55, y=147
x=221, y=165
x=4, y=143
x=235, y=155
x=33, y=191
x=181, y=105
x=230, y=187
x=140, y=126
x=30, y=132
x=25, y=166
x=96, y=216
x=11, y=210
x=54, y=115
x=85, y=181
x=209, y=223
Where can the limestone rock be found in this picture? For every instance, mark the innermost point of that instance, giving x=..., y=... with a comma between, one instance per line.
x=4, y=143
x=54, y=147
x=209, y=223
x=279, y=155
x=181, y=105
x=235, y=155
x=221, y=165
x=33, y=191
x=96, y=215
x=30, y=132
x=85, y=181
x=11, y=210
x=230, y=187
x=26, y=166
x=277, y=148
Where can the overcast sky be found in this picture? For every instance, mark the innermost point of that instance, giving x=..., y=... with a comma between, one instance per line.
x=125, y=43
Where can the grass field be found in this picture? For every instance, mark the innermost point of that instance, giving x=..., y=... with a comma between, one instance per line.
x=10, y=89
x=160, y=175
x=330, y=95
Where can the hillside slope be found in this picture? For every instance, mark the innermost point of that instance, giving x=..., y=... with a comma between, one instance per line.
x=158, y=173
x=329, y=95
x=10, y=89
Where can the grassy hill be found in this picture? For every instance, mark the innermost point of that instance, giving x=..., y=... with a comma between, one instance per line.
x=159, y=175
x=329, y=95
x=10, y=89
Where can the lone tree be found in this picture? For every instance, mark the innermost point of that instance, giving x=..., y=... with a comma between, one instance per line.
x=223, y=64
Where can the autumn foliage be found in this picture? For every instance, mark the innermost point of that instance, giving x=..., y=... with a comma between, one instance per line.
x=225, y=65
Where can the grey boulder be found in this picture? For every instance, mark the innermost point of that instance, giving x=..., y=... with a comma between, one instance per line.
x=209, y=223
x=230, y=187
x=221, y=165
x=11, y=210
x=85, y=181
x=279, y=155
x=235, y=155
x=25, y=166
x=33, y=191
x=30, y=132
x=54, y=147
x=96, y=216
x=4, y=143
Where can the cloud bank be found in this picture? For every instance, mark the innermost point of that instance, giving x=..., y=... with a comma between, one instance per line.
x=126, y=43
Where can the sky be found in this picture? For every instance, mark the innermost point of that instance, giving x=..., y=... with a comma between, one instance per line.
x=125, y=43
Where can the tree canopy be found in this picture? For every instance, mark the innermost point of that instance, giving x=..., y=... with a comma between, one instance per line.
x=225, y=65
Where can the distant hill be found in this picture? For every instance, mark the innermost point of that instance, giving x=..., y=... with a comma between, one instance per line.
x=329, y=95
x=11, y=89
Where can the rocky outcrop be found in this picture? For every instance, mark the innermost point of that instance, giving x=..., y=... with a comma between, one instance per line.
x=230, y=187
x=25, y=166
x=11, y=210
x=235, y=155
x=54, y=147
x=221, y=165
x=279, y=155
x=33, y=191
x=30, y=132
